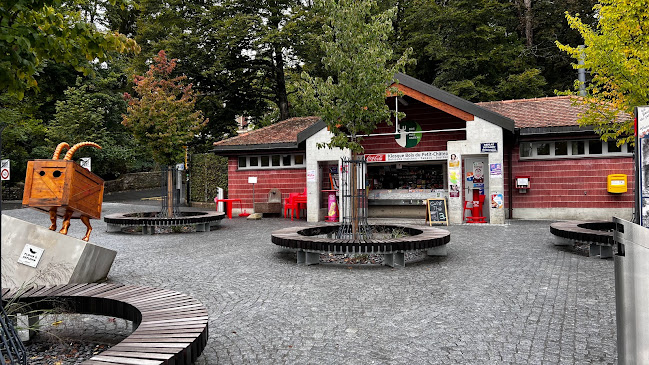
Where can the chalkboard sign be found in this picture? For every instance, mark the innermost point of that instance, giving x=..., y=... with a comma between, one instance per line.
x=436, y=211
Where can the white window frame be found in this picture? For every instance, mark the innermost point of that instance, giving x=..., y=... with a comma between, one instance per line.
x=626, y=151
x=270, y=166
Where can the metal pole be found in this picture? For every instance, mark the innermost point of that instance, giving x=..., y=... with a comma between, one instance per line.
x=12, y=345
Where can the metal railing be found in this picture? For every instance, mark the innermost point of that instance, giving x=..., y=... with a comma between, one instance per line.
x=353, y=193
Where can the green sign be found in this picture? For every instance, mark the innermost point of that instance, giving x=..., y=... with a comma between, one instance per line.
x=409, y=134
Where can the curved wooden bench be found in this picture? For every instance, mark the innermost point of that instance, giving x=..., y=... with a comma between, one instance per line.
x=171, y=327
x=148, y=221
x=599, y=234
x=309, y=248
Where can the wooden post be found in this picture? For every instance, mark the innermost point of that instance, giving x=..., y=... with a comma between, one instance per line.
x=170, y=192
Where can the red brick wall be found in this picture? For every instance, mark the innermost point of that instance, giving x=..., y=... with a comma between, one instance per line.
x=561, y=183
x=286, y=180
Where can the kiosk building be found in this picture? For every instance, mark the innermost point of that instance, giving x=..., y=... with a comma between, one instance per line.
x=528, y=158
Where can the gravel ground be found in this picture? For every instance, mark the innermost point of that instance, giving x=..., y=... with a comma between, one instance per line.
x=503, y=295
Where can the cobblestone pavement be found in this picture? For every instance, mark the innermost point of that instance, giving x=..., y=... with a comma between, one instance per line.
x=503, y=295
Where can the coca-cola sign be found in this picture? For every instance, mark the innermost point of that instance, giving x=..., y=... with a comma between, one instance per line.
x=375, y=158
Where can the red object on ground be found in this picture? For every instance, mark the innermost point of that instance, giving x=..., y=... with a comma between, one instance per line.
x=228, y=205
x=476, y=211
x=294, y=203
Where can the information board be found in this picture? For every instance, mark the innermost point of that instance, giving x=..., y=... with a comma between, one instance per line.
x=436, y=211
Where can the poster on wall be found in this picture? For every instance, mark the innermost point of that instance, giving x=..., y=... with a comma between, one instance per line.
x=454, y=176
x=496, y=169
x=478, y=172
x=497, y=201
x=454, y=161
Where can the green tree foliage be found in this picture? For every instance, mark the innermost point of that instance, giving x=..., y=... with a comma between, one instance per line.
x=162, y=116
x=470, y=48
x=92, y=111
x=34, y=31
x=235, y=52
x=357, y=53
x=617, y=57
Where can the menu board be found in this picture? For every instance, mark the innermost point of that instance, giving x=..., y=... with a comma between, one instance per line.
x=436, y=211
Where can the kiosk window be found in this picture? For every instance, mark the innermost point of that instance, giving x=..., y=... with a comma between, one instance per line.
x=543, y=149
x=613, y=147
x=595, y=147
x=560, y=148
x=275, y=160
x=572, y=149
x=286, y=160
x=429, y=176
x=578, y=148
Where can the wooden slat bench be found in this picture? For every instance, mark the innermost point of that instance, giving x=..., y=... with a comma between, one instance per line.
x=309, y=247
x=170, y=327
x=599, y=234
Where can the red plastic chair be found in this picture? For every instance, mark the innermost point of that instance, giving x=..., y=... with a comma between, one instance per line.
x=289, y=204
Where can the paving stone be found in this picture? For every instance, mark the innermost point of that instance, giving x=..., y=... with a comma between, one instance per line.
x=504, y=294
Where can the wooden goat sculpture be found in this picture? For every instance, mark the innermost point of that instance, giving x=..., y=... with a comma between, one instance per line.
x=64, y=188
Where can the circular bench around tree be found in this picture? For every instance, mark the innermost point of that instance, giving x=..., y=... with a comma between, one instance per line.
x=170, y=327
x=309, y=247
x=599, y=234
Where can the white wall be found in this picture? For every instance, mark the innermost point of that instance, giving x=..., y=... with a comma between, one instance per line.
x=479, y=131
x=314, y=155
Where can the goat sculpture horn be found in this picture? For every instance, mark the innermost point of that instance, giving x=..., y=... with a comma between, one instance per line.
x=58, y=150
x=71, y=151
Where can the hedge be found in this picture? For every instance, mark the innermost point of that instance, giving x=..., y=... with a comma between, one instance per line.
x=207, y=172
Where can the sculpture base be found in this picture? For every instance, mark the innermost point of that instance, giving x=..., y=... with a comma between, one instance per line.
x=32, y=254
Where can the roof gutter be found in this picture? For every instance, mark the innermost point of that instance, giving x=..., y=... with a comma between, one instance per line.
x=255, y=147
x=555, y=130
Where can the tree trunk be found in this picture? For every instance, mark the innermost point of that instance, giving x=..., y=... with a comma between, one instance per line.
x=529, y=36
x=280, y=83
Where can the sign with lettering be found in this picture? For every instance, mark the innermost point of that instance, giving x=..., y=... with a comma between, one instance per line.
x=86, y=163
x=5, y=169
x=407, y=156
x=409, y=134
x=488, y=147
x=31, y=255
x=436, y=211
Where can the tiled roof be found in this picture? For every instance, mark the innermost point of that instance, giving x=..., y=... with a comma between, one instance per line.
x=555, y=111
x=282, y=132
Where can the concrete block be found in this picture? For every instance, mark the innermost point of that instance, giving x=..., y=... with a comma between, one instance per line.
x=562, y=241
x=438, y=251
x=594, y=250
x=395, y=260
x=64, y=259
x=606, y=252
